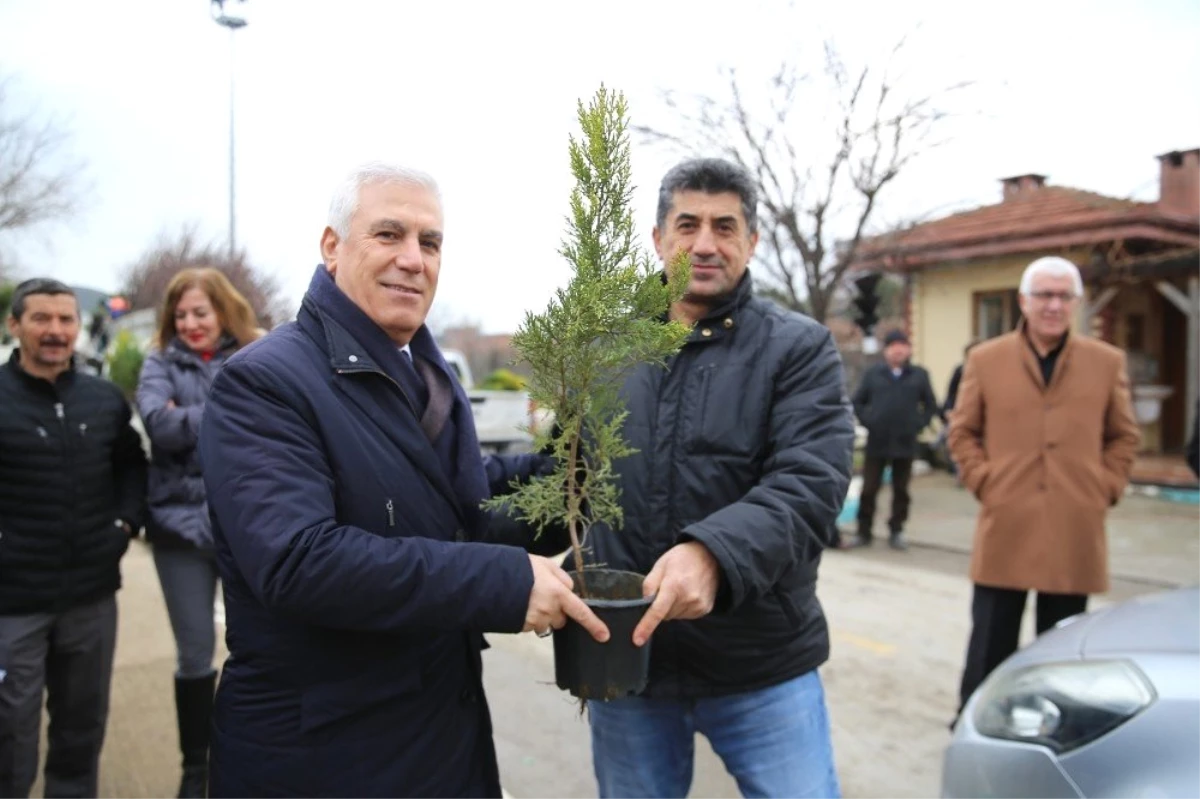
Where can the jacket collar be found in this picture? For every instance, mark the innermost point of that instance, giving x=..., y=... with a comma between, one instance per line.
x=354, y=342
x=62, y=381
x=179, y=352
x=1030, y=358
x=723, y=318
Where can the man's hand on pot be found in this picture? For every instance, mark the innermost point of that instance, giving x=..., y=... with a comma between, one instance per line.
x=552, y=601
x=686, y=579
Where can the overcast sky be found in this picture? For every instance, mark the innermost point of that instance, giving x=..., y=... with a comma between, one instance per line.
x=483, y=95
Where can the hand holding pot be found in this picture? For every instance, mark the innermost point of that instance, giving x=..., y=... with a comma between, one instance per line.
x=552, y=601
x=686, y=579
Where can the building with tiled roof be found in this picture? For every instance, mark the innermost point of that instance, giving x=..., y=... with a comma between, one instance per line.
x=1140, y=262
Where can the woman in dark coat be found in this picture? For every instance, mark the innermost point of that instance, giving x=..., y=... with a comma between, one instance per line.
x=203, y=321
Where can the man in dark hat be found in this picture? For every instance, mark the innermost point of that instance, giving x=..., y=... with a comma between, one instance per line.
x=894, y=402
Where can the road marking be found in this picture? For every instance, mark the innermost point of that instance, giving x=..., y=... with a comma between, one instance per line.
x=862, y=642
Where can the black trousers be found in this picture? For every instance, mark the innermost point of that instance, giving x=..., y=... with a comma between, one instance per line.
x=872, y=478
x=996, y=628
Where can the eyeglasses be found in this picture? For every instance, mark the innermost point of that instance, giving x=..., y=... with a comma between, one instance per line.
x=1046, y=296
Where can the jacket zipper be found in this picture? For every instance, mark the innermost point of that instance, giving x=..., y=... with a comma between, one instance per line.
x=62, y=424
x=675, y=424
x=61, y=414
x=389, y=506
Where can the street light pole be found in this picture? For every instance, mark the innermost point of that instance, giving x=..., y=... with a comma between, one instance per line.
x=233, y=23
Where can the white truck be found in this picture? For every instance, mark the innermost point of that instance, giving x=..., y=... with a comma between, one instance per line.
x=502, y=418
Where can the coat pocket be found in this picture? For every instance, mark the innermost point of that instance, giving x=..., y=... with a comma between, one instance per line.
x=977, y=481
x=1104, y=485
x=358, y=698
x=721, y=406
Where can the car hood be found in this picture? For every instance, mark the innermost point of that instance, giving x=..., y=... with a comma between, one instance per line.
x=1164, y=622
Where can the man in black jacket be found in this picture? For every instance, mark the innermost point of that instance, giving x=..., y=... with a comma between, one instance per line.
x=742, y=463
x=894, y=402
x=72, y=492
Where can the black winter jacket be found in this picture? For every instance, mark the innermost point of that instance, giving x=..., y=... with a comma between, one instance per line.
x=744, y=444
x=894, y=409
x=70, y=467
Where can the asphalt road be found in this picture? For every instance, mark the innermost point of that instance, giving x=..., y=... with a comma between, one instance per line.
x=898, y=620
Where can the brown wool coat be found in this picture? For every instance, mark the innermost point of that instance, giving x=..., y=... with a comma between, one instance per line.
x=1045, y=462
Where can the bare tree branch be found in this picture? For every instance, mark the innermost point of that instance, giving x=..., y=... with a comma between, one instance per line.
x=37, y=184
x=145, y=281
x=817, y=201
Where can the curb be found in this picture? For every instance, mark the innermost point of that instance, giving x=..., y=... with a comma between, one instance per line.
x=1125, y=578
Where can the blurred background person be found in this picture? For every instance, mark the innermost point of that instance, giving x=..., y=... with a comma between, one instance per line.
x=955, y=379
x=203, y=321
x=894, y=402
x=948, y=408
x=1193, y=445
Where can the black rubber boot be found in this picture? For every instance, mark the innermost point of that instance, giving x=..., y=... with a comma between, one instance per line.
x=193, y=710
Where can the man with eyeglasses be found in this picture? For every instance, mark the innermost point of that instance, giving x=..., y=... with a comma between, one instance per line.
x=1044, y=435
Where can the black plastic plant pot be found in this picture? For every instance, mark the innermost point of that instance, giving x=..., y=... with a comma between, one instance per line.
x=589, y=669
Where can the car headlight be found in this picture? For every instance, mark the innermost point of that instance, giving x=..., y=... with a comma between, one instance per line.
x=1062, y=705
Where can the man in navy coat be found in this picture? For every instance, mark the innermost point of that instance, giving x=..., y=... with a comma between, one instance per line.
x=344, y=481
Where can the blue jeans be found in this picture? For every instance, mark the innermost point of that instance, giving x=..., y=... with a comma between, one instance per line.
x=774, y=741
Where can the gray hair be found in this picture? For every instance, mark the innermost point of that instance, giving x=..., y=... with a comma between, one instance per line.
x=1051, y=266
x=345, y=199
x=711, y=176
x=38, y=285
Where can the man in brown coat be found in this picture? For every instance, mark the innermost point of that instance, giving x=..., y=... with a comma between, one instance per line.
x=1044, y=435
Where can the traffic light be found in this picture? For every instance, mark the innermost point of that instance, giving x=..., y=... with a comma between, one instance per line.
x=867, y=302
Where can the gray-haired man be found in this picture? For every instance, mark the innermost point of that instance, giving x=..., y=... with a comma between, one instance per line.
x=344, y=479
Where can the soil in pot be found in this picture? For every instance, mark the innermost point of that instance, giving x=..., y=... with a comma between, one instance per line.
x=589, y=669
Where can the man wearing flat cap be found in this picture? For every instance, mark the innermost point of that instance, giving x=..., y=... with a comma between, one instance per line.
x=894, y=402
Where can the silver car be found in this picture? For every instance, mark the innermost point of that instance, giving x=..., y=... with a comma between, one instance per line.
x=1106, y=704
